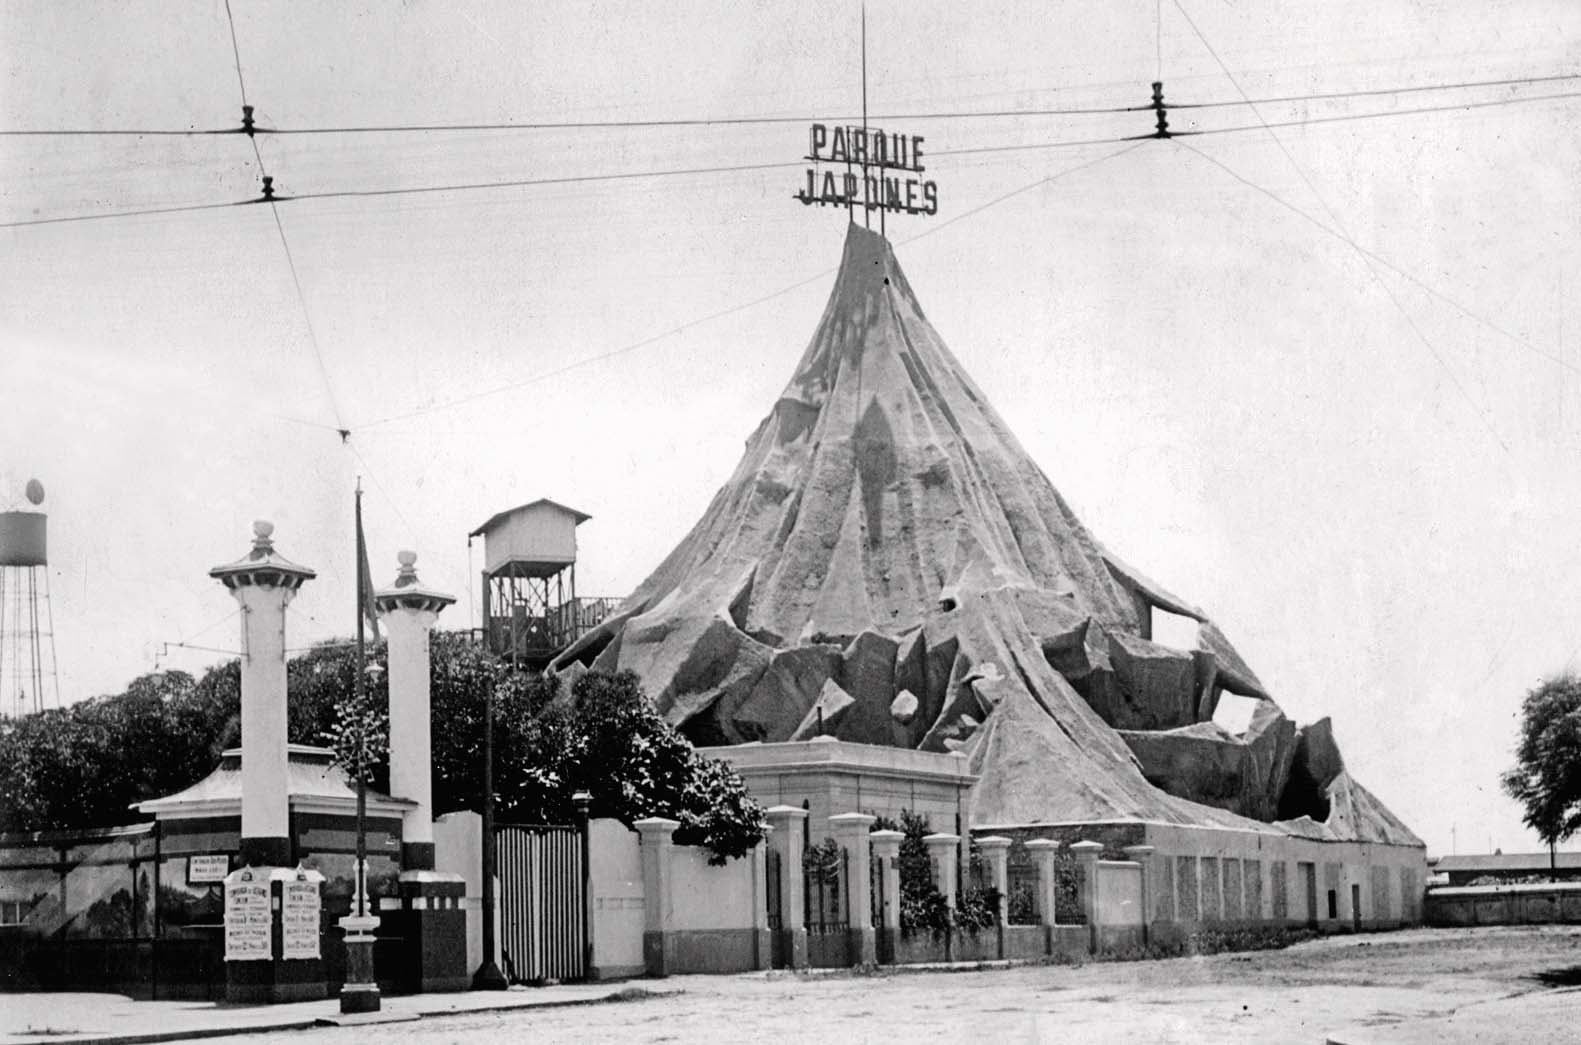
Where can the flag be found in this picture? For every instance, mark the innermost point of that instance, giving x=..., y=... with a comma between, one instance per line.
x=365, y=603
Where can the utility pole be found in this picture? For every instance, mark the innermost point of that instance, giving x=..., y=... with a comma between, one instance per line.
x=488, y=977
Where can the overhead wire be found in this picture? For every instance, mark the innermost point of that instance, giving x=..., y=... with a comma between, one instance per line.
x=776, y=165
x=1339, y=225
x=766, y=120
x=634, y=346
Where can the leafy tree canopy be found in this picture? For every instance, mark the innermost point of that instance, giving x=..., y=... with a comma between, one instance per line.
x=83, y=766
x=1546, y=777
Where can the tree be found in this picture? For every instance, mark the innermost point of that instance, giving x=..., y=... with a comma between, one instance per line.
x=603, y=736
x=1546, y=778
x=83, y=766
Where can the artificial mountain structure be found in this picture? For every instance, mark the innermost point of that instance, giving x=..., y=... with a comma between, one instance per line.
x=887, y=565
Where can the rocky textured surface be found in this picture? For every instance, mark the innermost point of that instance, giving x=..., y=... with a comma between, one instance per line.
x=888, y=566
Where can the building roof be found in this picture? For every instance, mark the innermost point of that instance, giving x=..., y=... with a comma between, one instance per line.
x=1506, y=862
x=313, y=781
x=497, y=517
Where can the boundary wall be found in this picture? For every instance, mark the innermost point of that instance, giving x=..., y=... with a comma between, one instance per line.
x=1541, y=903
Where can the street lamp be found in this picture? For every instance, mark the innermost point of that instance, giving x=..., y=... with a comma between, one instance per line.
x=488, y=977
x=360, y=992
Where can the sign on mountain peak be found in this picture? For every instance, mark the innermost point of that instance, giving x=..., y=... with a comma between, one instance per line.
x=889, y=179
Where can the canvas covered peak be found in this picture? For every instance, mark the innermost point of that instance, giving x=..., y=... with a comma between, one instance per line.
x=887, y=565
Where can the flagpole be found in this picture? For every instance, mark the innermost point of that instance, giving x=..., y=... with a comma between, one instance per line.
x=361, y=699
x=360, y=992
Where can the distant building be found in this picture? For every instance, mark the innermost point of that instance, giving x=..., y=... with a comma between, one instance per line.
x=1488, y=868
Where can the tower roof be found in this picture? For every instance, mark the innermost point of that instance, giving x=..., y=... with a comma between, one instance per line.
x=262, y=565
x=499, y=517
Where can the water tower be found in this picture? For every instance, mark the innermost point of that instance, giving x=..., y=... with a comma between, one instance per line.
x=530, y=607
x=27, y=630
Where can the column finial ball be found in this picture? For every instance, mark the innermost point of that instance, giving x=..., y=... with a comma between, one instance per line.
x=406, y=558
x=263, y=530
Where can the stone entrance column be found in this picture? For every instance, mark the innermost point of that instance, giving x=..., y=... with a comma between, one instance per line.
x=433, y=925
x=408, y=612
x=263, y=584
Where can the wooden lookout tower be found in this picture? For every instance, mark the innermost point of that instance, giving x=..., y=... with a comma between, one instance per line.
x=530, y=606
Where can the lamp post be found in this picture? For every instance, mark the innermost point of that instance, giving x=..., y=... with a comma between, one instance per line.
x=488, y=977
x=360, y=993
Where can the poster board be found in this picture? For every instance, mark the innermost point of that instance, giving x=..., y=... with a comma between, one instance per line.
x=301, y=905
x=204, y=870
x=248, y=919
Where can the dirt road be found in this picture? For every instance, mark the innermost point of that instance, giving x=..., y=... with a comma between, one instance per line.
x=1490, y=985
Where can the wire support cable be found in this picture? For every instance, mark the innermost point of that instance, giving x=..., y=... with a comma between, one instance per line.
x=723, y=313
x=1372, y=268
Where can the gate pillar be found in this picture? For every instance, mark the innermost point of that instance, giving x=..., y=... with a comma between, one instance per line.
x=1087, y=853
x=786, y=841
x=431, y=923
x=657, y=849
x=886, y=850
x=851, y=831
x=996, y=853
x=944, y=852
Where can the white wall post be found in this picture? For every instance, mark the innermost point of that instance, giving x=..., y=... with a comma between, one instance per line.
x=1087, y=854
x=851, y=832
x=1044, y=852
x=1142, y=855
x=786, y=841
x=657, y=849
x=996, y=853
x=886, y=850
x=944, y=851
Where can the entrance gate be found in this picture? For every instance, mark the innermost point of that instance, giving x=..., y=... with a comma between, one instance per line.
x=542, y=901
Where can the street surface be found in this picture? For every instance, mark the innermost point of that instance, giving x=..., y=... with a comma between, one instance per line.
x=1422, y=985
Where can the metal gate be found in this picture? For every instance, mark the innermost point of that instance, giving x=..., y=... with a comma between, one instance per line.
x=542, y=903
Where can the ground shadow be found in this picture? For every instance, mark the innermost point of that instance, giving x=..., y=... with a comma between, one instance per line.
x=1559, y=976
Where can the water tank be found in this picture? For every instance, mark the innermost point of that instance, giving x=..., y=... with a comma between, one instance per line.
x=22, y=539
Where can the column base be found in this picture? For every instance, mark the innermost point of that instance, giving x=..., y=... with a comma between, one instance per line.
x=275, y=981
x=862, y=946
x=657, y=955
x=360, y=993
x=793, y=943
x=432, y=926
x=884, y=940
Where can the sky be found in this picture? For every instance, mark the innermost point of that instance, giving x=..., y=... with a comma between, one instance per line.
x=1322, y=380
